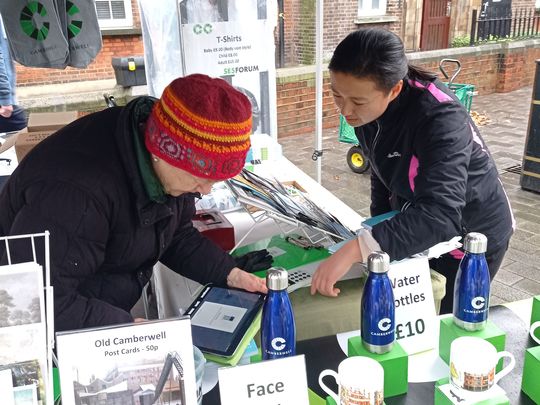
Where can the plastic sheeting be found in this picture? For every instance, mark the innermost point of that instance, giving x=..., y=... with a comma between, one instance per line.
x=162, y=50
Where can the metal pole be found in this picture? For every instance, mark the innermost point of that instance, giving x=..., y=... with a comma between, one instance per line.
x=179, y=14
x=473, y=27
x=530, y=175
x=318, y=87
x=281, y=16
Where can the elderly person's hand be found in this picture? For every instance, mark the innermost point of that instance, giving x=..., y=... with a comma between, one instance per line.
x=238, y=278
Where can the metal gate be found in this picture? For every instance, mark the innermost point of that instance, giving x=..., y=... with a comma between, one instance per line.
x=435, y=24
x=495, y=19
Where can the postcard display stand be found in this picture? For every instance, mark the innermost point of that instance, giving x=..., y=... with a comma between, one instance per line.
x=26, y=324
x=273, y=202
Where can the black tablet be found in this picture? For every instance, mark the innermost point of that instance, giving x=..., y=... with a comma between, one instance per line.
x=220, y=317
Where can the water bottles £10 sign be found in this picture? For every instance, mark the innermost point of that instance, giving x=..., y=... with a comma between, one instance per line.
x=415, y=308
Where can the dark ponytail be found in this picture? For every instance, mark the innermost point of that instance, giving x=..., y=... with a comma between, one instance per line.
x=376, y=54
x=416, y=72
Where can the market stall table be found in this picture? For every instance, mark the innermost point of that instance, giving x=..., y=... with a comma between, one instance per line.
x=325, y=352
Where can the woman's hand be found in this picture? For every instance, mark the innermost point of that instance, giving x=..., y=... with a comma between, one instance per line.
x=335, y=267
x=241, y=279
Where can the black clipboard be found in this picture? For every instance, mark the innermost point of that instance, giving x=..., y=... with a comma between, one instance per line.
x=220, y=317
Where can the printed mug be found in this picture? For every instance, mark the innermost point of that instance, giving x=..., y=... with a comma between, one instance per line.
x=473, y=362
x=360, y=381
x=534, y=335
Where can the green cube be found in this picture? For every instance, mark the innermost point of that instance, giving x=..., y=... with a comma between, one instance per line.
x=450, y=331
x=395, y=364
x=531, y=371
x=442, y=399
x=535, y=314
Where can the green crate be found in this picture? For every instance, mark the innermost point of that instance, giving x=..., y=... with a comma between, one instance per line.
x=346, y=132
x=464, y=93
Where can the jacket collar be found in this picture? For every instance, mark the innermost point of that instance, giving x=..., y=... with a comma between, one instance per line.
x=396, y=106
x=132, y=117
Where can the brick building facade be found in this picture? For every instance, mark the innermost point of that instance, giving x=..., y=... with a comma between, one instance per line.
x=492, y=68
x=403, y=17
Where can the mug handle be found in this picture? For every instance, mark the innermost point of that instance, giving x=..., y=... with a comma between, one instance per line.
x=323, y=374
x=535, y=326
x=508, y=368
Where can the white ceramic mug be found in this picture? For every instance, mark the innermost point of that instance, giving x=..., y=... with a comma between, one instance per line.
x=359, y=379
x=473, y=362
x=535, y=326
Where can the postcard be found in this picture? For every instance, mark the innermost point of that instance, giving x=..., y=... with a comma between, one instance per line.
x=21, y=295
x=150, y=362
x=23, y=338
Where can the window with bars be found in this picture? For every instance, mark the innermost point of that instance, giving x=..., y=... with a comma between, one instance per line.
x=368, y=8
x=114, y=13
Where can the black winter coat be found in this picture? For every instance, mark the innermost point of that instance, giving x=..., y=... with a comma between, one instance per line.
x=84, y=186
x=429, y=161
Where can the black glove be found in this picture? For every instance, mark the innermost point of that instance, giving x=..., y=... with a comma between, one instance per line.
x=254, y=261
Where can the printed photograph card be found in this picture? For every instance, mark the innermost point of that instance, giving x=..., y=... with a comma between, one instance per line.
x=142, y=363
x=23, y=339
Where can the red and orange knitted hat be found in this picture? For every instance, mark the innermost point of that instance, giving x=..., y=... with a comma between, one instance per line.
x=201, y=125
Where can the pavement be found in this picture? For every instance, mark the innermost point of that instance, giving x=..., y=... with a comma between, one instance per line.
x=505, y=117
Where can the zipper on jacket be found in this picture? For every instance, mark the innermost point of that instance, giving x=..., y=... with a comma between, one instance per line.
x=379, y=127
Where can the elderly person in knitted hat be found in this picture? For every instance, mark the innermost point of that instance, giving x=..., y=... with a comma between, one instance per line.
x=116, y=189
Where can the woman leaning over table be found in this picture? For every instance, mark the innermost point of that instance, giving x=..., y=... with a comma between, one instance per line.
x=427, y=157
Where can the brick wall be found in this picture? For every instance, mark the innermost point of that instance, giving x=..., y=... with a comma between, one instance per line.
x=99, y=69
x=527, y=4
x=340, y=18
x=291, y=22
x=491, y=68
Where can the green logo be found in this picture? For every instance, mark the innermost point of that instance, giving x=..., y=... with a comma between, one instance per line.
x=27, y=21
x=199, y=29
x=74, y=26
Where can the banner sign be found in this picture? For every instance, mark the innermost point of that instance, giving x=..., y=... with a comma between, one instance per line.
x=227, y=49
x=231, y=39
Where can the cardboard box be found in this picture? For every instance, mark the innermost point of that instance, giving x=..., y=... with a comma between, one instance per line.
x=40, y=126
x=27, y=140
x=50, y=121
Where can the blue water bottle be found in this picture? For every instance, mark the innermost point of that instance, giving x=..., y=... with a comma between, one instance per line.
x=471, y=289
x=278, y=331
x=378, y=310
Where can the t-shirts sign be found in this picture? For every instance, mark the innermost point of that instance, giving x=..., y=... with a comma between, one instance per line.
x=272, y=382
x=227, y=49
x=415, y=308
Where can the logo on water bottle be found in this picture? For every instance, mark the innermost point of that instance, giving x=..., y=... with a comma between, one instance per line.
x=479, y=305
x=478, y=302
x=384, y=324
x=278, y=343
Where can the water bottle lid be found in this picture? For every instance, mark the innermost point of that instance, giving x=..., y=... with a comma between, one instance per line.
x=475, y=242
x=277, y=279
x=378, y=262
